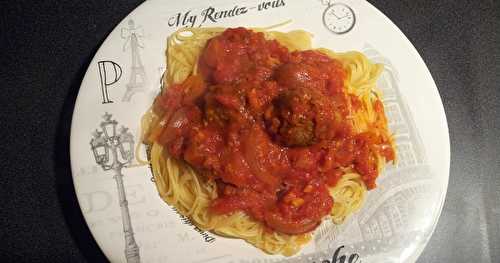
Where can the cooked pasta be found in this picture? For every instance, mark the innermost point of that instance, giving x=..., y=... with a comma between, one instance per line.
x=193, y=190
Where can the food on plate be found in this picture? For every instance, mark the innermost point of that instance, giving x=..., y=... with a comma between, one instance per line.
x=257, y=136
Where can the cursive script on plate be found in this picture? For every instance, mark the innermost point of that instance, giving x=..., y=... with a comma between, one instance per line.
x=342, y=258
x=214, y=15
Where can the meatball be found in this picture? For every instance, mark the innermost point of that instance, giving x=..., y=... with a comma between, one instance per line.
x=290, y=118
x=294, y=75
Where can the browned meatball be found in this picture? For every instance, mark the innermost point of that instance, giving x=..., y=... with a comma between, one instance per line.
x=290, y=119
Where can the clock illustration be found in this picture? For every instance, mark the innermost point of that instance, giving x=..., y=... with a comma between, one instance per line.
x=339, y=18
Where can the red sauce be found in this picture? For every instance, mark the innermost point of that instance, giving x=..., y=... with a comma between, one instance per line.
x=271, y=127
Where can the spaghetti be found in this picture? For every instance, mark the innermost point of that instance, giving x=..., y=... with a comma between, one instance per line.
x=209, y=191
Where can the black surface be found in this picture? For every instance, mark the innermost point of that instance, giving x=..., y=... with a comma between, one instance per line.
x=46, y=47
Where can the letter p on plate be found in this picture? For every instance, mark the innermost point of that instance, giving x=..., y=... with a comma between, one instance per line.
x=109, y=74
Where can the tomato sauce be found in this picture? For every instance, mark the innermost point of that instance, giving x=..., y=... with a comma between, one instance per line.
x=271, y=127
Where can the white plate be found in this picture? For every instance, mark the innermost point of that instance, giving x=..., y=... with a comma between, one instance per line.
x=399, y=216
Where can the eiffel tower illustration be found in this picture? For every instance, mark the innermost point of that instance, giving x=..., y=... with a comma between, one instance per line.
x=138, y=79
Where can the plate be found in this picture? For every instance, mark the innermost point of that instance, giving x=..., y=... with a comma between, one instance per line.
x=120, y=203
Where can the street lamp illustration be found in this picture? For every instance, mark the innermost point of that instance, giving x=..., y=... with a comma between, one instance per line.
x=113, y=151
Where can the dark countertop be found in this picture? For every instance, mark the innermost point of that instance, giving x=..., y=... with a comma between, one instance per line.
x=46, y=47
